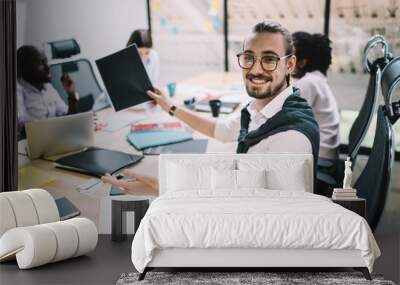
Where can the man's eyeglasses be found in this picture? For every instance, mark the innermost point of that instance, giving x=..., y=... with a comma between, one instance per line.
x=268, y=62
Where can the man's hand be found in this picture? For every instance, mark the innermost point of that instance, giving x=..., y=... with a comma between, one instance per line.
x=197, y=122
x=135, y=184
x=160, y=98
x=68, y=84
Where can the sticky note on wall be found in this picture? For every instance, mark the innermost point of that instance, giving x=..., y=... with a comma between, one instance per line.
x=156, y=4
x=215, y=4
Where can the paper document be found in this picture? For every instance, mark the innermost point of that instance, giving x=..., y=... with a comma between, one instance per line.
x=33, y=177
x=121, y=120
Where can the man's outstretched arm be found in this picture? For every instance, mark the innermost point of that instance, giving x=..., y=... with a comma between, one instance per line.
x=195, y=121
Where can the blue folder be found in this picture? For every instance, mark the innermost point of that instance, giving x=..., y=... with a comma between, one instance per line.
x=144, y=139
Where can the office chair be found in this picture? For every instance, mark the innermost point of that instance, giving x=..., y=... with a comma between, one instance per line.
x=373, y=183
x=390, y=82
x=64, y=49
x=328, y=178
x=86, y=104
x=330, y=172
x=362, y=122
x=80, y=70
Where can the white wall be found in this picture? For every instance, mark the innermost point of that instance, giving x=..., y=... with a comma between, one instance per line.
x=21, y=22
x=100, y=26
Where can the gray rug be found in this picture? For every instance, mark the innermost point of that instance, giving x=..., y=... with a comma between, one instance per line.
x=243, y=278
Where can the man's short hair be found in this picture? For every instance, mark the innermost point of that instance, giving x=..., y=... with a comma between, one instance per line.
x=274, y=27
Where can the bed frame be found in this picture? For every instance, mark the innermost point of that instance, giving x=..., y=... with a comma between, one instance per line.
x=248, y=259
x=261, y=259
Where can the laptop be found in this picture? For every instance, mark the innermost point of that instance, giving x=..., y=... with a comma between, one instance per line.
x=59, y=135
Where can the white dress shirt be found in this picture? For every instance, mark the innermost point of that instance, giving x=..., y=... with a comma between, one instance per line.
x=315, y=89
x=35, y=104
x=152, y=66
x=227, y=130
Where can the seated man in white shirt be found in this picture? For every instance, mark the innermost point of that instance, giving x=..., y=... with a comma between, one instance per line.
x=36, y=97
x=276, y=120
x=314, y=56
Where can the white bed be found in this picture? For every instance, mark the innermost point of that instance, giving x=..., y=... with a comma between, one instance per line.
x=235, y=210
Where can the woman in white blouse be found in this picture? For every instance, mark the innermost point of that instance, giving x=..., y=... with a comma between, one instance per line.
x=142, y=39
x=314, y=56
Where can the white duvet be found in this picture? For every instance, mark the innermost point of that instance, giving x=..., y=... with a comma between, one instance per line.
x=251, y=219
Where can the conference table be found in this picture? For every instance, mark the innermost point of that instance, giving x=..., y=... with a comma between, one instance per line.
x=66, y=182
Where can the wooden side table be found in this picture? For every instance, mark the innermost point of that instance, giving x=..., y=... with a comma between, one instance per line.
x=357, y=205
x=126, y=203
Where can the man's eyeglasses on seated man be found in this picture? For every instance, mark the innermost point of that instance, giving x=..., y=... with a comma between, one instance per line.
x=268, y=62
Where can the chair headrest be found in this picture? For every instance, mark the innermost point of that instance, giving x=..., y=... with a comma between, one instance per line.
x=64, y=48
x=372, y=44
x=390, y=81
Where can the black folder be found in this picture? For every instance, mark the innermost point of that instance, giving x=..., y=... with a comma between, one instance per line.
x=125, y=78
x=98, y=161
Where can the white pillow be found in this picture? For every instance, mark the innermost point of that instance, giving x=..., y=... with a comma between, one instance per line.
x=223, y=179
x=182, y=177
x=251, y=178
x=281, y=174
x=293, y=179
x=231, y=180
x=193, y=173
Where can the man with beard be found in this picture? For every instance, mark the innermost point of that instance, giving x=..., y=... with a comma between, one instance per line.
x=276, y=120
x=37, y=99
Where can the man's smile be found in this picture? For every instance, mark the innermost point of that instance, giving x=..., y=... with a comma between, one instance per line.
x=258, y=80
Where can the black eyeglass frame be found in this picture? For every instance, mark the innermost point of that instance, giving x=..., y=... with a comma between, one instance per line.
x=256, y=58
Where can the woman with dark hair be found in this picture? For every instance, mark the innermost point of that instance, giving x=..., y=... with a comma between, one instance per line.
x=142, y=39
x=314, y=56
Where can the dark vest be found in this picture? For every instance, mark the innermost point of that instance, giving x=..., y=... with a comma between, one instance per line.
x=295, y=115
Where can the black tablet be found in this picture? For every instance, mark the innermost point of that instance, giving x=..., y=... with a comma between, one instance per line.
x=66, y=209
x=125, y=78
x=98, y=161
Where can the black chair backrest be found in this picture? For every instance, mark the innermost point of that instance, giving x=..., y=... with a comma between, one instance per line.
x=390, y=81
x=81, y=72
x=361, y=124
x=373, y=183
x=64, y=48
x=86, y=103
x=373, y=42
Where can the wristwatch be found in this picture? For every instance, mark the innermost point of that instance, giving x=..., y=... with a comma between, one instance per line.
x=172, y=110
